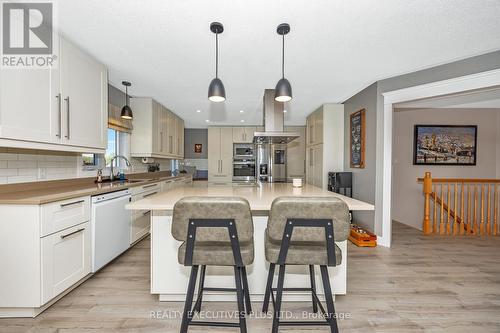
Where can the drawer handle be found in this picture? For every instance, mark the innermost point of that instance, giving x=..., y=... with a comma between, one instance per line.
x=148, y=186
x=71, y=203
x=150, y=194
x=146, y=213
x=72, y=233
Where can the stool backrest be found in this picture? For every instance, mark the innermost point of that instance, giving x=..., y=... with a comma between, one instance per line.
x=284, y=208
x=197, y=207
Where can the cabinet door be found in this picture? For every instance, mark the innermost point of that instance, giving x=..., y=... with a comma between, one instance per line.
x=296, y=153
x=181, y=138
x=318, y=166
x=249, y=134
x=310, y=130
x=238, y=134
x=66, y=257
x=165, y=130
x=157, y=129
x=170, y=133
x=213, y=151
x=309, y=166
x=318, y=127
x=30, y=105
x=226, y=151
x=85, y=98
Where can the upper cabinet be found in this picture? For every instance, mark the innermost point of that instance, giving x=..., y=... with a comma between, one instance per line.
x=64, y=108
x=243, y=134
x=158, y=132
x=296, y=153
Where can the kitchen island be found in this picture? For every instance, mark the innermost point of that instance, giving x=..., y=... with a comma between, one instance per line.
x=169, y=279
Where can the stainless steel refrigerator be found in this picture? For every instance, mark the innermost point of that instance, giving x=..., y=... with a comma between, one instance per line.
x=271, y=163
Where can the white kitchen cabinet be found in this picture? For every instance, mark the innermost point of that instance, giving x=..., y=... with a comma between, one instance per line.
x=296, y=153
x=220, y=155
x=243, y=134
x=158, y=132
x=325, y=143
x=64, y=108
x=66, y=258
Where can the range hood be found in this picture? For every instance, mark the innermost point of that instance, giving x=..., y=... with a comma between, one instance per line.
x=273, y=122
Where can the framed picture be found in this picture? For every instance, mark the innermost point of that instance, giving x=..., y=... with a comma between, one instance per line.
x=357, y=139
x=445, y=145
x=197, y=148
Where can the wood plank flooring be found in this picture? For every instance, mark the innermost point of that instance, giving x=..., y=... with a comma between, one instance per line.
x=421, y=284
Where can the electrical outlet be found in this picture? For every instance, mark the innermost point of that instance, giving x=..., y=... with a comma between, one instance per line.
x=42, y=173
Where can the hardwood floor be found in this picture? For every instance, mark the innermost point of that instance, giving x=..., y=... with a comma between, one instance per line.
x=421, y=284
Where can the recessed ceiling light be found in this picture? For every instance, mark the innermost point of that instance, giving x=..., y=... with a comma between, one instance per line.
x=207, y=120
x=198, y=111
x=242, y=121
x=285, y=111
x=241, y=111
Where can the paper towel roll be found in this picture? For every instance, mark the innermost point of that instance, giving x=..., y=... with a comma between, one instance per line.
x=147, y=160
x=297, y=182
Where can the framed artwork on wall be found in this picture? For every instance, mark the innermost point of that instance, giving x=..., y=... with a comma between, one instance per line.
x=357, y=139
x=445, y=145
x=198, y=148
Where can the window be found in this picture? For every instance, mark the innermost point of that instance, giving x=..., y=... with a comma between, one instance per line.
x=113, y=145
x=89, y=160
x=118, y=144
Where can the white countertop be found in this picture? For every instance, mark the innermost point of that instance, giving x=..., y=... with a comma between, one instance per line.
x=260, y=197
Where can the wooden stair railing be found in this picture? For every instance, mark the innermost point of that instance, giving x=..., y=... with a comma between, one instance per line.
x=460, y=206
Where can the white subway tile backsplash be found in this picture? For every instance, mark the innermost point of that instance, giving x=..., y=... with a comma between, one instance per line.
x=8, y=172
x=28, y=157
x=21, y=164
x=27, y=172
x=3, y=164
x=8, y=157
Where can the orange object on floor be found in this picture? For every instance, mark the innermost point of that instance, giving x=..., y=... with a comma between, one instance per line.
x=361, y=237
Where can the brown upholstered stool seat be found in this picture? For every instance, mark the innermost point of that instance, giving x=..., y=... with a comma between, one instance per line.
x=301, y=253
x=217, y=254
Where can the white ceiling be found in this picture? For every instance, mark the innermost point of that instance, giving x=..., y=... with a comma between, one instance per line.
x=335, y=48
x=488, y=98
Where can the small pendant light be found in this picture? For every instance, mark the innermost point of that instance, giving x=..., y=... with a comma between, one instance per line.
x=126, y=110
x=283, y=90
x=216, y=91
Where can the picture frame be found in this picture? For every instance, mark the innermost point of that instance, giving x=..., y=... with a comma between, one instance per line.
x=198, y=147
x=449, y=145
x=357, y=137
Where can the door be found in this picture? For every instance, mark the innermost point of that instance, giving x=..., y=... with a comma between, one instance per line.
x=296, y=154
x=238, y=134
x=30, y=105
x=213, y=152
x=85, y=101
x=66, y=257
x=226, y=152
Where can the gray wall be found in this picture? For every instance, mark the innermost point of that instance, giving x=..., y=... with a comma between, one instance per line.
x=116, y=96
x=363, y=179
x=192, y=136
x=468, y=66
x=408, y=201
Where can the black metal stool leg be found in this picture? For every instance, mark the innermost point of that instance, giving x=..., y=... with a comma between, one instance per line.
x=279, y=295
x=269, y=285
x=312, y=276
x=331, y=315
x=246, y=290
x=197, y=305
x=239, y=296
x=187, y=314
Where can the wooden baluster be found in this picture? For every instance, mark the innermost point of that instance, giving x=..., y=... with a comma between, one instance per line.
x=448, y=222
x=434, y=218
x=462, y=210
x=469, y=215
x=481, y=226
x=441, y=221
x=474, y=227
x=427, y=192
x=495, y=217
x=488, y=212
x=455, y=210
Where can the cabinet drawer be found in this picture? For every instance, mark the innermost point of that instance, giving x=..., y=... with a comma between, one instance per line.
x=59, y=215
x=145, y=188
x=140, y=225
x=66, y=258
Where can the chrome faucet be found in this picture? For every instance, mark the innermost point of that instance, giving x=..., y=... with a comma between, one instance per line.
x=112, y=174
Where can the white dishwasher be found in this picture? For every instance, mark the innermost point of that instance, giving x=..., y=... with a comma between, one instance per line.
x=110, y=224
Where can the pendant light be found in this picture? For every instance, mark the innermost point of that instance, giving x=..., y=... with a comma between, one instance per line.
x=216, y=91
x=283, y=90
x=126, y=110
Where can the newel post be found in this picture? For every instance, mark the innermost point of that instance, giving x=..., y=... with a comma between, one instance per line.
x=427, y=203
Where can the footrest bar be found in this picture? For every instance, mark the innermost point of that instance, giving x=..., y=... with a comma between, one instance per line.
x=219, y=289
x=303, y=323
x=213, y=323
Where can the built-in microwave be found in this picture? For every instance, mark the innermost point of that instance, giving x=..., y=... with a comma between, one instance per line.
x=244, y=151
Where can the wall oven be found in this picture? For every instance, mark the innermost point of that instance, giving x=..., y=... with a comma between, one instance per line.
x=243, y=170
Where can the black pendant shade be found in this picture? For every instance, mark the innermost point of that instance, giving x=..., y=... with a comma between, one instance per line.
x=216, y=91
x=126, y=112
x=283, y=90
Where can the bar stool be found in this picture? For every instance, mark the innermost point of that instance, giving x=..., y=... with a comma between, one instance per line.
x=303, y=231
x=215, y=231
